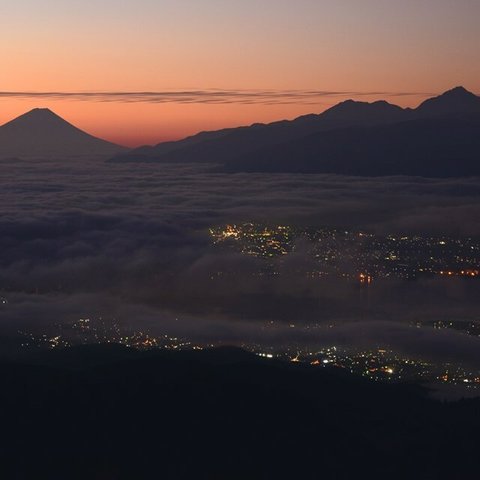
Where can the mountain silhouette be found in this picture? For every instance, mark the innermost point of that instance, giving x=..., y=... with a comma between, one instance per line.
x=439, y=147
x=364, y=113
x=40, y=133
x=455, y=101
x=440, y=138
x=225, y=145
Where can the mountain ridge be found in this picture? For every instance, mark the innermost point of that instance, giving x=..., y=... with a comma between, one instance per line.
x=455, y=100
x=225, y=146
x=439, y=138
x=439, y=147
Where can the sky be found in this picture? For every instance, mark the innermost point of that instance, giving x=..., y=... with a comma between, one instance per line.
x=306, y=55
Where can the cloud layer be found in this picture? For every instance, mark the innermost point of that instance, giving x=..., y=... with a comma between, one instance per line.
x=131, y=242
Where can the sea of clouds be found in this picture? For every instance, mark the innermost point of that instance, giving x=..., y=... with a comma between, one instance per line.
x=130, y=242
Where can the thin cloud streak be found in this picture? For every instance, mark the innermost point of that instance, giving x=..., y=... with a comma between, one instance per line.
x=209, y=96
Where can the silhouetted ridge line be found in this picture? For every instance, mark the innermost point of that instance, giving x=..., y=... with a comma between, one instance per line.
x=455, y=101
x=440, y=138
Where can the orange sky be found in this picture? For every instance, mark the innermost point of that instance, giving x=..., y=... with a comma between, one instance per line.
x=142, y=123
x=373, y=46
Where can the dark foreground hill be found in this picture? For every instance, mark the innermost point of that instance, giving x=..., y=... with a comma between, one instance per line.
x=112, y=413
x=41, y=134
x=440, y=138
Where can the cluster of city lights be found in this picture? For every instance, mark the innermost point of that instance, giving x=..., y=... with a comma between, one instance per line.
x=354, y=255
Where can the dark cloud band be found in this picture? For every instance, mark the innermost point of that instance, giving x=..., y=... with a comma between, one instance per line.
x=209, y=96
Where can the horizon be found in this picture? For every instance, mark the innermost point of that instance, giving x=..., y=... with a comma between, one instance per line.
x=408, y=50
x=341, y=97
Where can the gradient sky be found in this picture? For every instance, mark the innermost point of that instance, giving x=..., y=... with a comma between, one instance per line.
x=361, y=47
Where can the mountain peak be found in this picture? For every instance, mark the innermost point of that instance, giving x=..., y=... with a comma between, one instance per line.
x=365, y=112
x=40, y=118
x=359, y=105
x=41, y=133
x=456, y=100
x=458, y=91
x=41, y=111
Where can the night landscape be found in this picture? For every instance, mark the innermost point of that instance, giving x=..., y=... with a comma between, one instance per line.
x=240, y=240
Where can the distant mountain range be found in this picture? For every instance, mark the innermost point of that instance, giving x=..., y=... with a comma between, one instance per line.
x=440, y=138
x=41, y=133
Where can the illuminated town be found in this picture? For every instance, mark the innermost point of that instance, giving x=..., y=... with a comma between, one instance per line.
x=356, y=255
x=377, y=364
x=352, y=255
x=385, y=365
x=87, y=331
